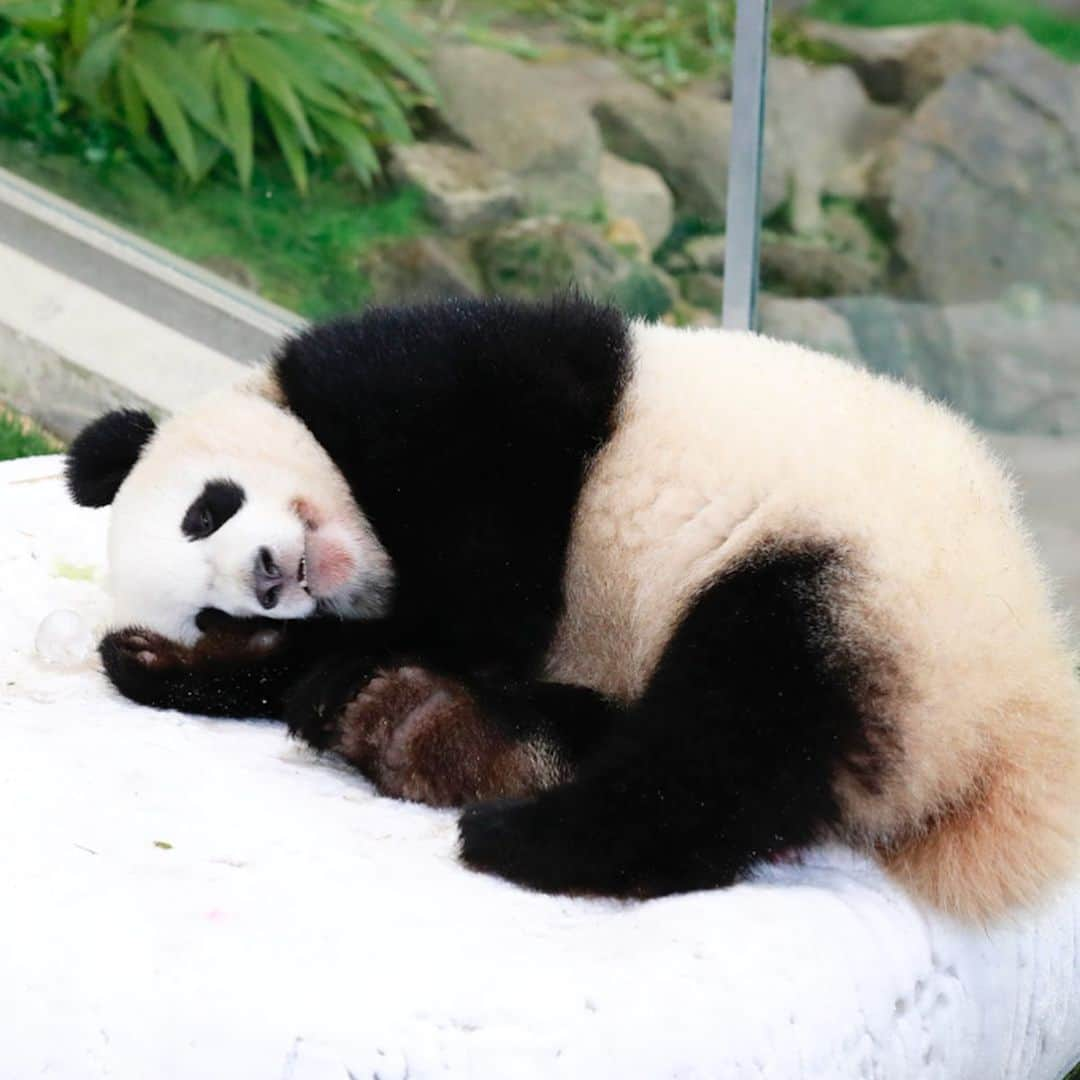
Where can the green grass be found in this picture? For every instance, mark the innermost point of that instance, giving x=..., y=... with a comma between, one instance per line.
x=303, y=253
x=1058, y=33
x=20, y=438
x=665, y=43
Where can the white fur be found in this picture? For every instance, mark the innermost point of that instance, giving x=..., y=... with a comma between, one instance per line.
x=726, y=441
x=161, y=579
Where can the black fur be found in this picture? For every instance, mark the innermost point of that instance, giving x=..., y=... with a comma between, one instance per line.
x=104, y=453
x=218, y=501
x=464, y=429
x=729, y=757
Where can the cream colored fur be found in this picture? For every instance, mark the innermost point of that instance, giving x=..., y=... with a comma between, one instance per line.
x=727, y=441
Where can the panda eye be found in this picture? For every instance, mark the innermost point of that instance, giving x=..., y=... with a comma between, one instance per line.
x=217, y=502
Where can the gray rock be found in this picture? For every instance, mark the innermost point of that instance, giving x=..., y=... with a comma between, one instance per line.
x=424, y=268
x=943, y=51
x=902, y=64
x=816, y=270
x=703, y=290
x=822, y=267
x=462, y=189
x=707, y=252
x=985, y=180
x=540, y=256
x=807, y=322
x=1023, y=374
x=638, y=193
x=1008, y=368
x=505, y=108
x=828, y=135
x=686, y=140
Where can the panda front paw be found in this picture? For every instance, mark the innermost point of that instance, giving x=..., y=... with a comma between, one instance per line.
x=137, y=660
x=154, y=670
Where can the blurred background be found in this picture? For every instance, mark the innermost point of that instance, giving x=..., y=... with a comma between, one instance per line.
x=921, y=179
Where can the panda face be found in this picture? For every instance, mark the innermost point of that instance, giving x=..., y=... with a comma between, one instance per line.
x=235, y=506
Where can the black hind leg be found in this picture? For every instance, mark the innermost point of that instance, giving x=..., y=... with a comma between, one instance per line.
x=730, y=757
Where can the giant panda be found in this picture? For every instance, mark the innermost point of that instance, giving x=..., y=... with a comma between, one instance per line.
x=651, y=604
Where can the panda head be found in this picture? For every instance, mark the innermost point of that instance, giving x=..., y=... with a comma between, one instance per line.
x=231, y=505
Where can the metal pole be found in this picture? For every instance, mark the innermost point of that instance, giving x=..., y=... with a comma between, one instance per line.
x=744, y=164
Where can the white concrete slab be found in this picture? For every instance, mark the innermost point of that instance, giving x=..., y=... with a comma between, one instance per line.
x=186, y=898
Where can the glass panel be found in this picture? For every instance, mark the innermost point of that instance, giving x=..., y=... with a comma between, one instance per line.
x=922, y=216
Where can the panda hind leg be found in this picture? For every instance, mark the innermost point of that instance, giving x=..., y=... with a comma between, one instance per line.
x=728, y=758
x=424, y=734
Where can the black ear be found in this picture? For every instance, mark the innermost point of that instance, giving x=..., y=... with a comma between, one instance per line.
x=103, y=454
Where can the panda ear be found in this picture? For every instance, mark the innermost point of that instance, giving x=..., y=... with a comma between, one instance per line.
x=103, y=454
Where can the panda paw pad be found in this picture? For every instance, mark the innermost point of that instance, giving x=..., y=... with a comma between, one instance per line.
x=143, y=649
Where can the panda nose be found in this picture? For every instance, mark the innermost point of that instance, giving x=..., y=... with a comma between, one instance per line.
x=268, y=579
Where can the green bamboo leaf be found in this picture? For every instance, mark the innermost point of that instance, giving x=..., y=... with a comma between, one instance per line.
x=132, y=101
x=349, y=72
x=291, y=148
x=233, y=89
x=355, y=145
x=392, y=120
x=166, y=107
x=203, y=16
x=79, y=24
x=303, y=69
x=398, y=59
x=45, y=11
x=340, y=66
x=208, y=152
x=390, y=21
x=96, y=63
x=156, y=53
x=250, y=56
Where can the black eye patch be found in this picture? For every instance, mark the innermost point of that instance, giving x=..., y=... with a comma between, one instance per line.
x=219, y=500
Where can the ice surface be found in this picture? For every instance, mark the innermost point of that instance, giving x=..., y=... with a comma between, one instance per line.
x=185, y=898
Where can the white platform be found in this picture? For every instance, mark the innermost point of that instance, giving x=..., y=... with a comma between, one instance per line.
x=184, y=898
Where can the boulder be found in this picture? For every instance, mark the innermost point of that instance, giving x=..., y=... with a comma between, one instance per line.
x=504, y=108
x=1021, y=364
x=842, y=264
x=423, y=268
x=902, y=64
x=638, y=193
x=462, y=189
x=940, y=53
x=703, y=290
x=827, y=134
x=707, y=252
x=625, y=235
x=686, y=141
x=808, y=322
x=814, y=270
x=1007, y=365
x=985, y=180
x=539, y=256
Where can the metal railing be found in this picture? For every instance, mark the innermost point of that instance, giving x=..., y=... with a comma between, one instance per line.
x=744, y=165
